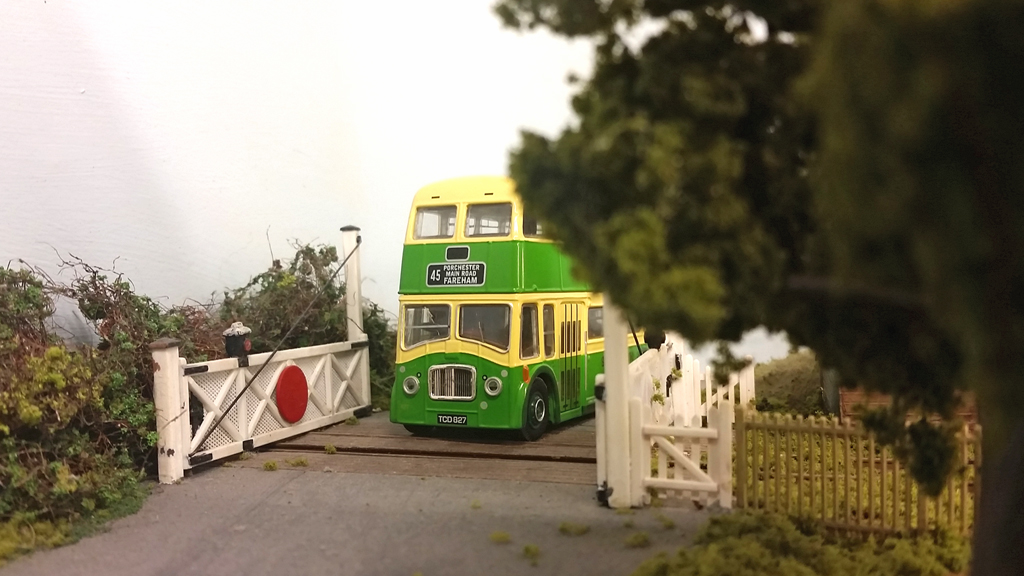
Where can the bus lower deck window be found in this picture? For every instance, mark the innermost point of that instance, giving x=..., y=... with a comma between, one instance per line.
x=487, y=323
x=426, y=323
x=549, y=330
x=529, y=345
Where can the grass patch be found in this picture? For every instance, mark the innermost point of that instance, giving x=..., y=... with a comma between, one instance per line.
x=571, y=529
x=773, y=545
x=298, y=462
x=22, y=534
x=500, y=537
x=270, y=465
x=330, y=449
x=666, y=522
x=129, y=503
x=475, y=505
x=628, y=524
x=245, y=456
x=352, y=421
x=532, y=553
x=624, y=511
x=638, y=540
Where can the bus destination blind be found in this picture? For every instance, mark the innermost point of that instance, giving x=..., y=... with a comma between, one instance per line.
x=456, y=274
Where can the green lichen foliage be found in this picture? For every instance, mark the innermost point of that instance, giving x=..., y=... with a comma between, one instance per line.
x=573, y=529
x=77, y=426
x=772, y=545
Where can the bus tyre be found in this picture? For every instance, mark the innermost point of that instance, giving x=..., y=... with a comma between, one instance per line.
x=418, y=430
x=536, y=411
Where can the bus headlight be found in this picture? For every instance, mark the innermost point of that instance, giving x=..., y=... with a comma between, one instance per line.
x=411, y=385
x=492, y=386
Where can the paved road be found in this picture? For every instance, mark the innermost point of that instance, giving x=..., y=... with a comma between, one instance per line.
x=236, y=520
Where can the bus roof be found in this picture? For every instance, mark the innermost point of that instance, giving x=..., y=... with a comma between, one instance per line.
x=467, y=189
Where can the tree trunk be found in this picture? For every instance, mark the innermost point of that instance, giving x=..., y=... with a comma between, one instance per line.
x=999, y=524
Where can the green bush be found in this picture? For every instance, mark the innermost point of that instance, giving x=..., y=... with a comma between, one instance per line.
x=790, y=385
x=73, y=436
x=764, y=544
x=77, y=427
x=273, y=300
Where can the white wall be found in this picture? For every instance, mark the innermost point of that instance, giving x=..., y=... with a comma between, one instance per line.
x=172, y=135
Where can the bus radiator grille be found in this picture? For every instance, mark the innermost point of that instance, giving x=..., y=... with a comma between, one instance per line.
x=452, y=382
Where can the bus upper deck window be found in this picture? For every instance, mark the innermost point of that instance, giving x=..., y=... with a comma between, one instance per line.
x=435, y=222
x=426, y=323
x=532, y=227
x=489, y=220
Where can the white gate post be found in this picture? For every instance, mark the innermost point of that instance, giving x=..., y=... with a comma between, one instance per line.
x=747, y=382
x=617, y=429
x=350, y=238
x=720, y=451
x=602, y=440
x=170, y=407
x=639, y=454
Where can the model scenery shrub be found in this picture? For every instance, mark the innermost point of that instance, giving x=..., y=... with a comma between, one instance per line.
x=77, y=423
x=273, y=300
x=772, y=545
x=790, y=385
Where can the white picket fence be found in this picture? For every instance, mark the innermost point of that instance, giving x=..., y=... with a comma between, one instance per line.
x=679, y=427
x=197, y=423
x=684, y=397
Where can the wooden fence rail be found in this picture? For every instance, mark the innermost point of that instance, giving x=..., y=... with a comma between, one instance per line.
x=835, y=473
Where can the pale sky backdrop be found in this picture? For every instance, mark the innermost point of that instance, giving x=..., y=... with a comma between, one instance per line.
x=171, y=135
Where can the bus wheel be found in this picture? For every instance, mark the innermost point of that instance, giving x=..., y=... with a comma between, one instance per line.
x=417, y=430
x=536, y=412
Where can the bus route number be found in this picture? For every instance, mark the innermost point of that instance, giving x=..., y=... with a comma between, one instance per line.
x=456, y=274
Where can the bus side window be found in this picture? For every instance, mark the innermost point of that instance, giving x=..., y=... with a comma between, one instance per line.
x=595, y=322
x=549, y=330
x=529, y=346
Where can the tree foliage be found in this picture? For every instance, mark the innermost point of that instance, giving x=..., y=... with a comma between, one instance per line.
x=851, y=176
x=687, y=190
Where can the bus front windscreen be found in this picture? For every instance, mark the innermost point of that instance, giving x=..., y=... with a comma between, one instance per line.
x=487, y=323
x=426, y=323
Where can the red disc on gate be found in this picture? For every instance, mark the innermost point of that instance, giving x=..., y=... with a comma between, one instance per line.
x=292, y=394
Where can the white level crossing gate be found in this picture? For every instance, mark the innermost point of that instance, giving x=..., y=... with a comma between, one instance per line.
x=199, y=419
x=663, y=426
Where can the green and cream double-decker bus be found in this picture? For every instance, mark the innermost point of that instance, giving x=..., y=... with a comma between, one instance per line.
x=494, y=330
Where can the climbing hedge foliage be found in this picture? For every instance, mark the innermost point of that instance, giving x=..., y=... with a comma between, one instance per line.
x=77, y=424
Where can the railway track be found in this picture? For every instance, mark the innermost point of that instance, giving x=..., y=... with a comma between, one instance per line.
x=566, y=454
